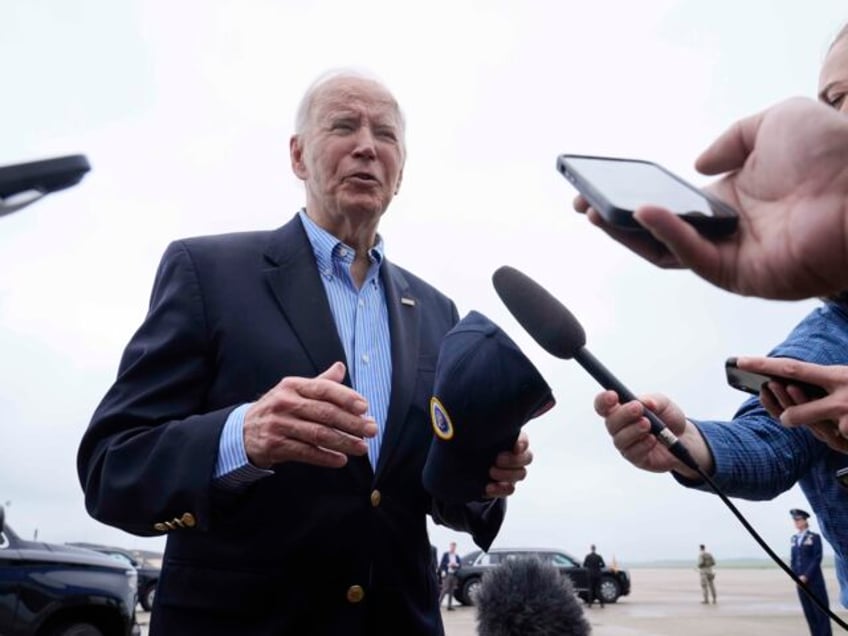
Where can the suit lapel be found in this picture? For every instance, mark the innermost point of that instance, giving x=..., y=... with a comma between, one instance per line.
x=295, y=283
x=404, y=316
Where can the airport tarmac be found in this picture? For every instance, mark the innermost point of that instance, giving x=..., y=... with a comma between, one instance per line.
x=667, y=602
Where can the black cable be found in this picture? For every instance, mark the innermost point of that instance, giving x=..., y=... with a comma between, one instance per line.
x=715, y=488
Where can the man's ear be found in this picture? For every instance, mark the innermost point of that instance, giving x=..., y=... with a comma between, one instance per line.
x=297, y=160
x=399, y=181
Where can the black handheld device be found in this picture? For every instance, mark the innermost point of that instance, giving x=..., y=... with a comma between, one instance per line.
x=617, y=187
x=752, y=382
x=25, y=183
x=842, y=477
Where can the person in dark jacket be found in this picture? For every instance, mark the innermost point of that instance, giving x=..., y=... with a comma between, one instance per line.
x=594, y=563
x=806, y=563
x=271, y=413
x=448, y=569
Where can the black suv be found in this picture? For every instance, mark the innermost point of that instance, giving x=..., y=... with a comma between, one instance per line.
x=148, y=570
x=56, y=590
x=614, y=582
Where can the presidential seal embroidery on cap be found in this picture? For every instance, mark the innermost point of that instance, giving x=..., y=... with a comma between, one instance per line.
x=442, y=425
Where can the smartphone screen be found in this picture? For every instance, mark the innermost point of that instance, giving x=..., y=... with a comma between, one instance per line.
x=632, y=184
x=617, y=187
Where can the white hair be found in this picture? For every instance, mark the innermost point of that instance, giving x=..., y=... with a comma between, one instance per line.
x=304, y=108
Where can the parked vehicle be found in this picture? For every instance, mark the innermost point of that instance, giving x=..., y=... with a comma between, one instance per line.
x=614, y=582
x=148, y=572
x=56, y=590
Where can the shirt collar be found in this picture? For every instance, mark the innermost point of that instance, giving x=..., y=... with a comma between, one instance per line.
x=325, y=246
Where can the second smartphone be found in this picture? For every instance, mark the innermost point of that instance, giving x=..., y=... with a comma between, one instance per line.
x=751, y=382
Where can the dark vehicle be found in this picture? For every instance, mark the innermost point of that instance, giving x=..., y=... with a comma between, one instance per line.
x=614, y=583
x=148, y=572
x=56, y=590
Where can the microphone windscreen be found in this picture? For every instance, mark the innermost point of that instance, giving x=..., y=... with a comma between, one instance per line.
x=545, y=318
x=525, y=597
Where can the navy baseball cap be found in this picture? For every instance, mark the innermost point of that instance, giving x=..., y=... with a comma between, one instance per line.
x=484, y=392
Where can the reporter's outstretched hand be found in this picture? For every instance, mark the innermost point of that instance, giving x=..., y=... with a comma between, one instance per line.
x=631, y=433
x=787, y=176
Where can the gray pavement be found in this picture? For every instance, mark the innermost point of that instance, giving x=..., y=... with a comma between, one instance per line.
x=667, y=602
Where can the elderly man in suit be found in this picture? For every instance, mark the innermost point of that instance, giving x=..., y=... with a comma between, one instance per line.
x=270, y=414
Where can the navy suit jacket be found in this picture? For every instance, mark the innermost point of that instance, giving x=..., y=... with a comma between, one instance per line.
x=806, y=558
x=444, y=565
x=229, y=317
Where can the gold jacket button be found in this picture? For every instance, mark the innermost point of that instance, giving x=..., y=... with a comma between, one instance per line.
x=376, y=497
x=188, y=520
x=355, y=593
x=160, y=527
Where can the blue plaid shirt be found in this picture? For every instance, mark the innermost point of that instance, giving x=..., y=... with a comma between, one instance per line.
x=758, y=458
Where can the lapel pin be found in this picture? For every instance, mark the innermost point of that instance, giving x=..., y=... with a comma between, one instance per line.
x=408, y=301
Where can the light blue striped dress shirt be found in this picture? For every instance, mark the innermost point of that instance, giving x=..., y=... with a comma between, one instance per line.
x=362, y=321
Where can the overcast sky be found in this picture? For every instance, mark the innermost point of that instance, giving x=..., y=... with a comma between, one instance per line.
x=185, y=108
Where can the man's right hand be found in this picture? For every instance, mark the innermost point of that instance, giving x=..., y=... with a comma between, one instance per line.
x=631, y=433
x=786, y=175
x=316, y=421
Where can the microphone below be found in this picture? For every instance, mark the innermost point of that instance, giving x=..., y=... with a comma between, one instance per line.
x=559, y=333
x=525, y=597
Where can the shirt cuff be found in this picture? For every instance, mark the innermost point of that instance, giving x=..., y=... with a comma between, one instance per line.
x=233, y=470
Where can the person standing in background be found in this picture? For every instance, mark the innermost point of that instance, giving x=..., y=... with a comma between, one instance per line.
x=806, y=563
x=450, y=565
x=594, y=563
x=706, y=563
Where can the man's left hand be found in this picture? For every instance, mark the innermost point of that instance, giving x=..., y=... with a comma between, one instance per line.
x=510, y=468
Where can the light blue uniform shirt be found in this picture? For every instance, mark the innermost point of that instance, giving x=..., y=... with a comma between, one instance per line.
x=362, y=322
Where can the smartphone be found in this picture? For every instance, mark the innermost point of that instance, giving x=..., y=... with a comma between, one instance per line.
x=751, y=382
x=842, y=477
x=617, y=187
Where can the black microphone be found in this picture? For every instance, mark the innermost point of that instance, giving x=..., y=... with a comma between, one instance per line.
x=559, y=333
x=525, y=597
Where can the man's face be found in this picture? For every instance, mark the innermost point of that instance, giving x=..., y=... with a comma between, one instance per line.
x=452, y=547
x=833, y=79
x=351, y=154
x=800, y=523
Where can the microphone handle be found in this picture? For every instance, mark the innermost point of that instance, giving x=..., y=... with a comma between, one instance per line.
x=658, y=429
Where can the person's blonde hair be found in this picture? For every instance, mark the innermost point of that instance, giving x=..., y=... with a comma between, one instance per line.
x=842, y=33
